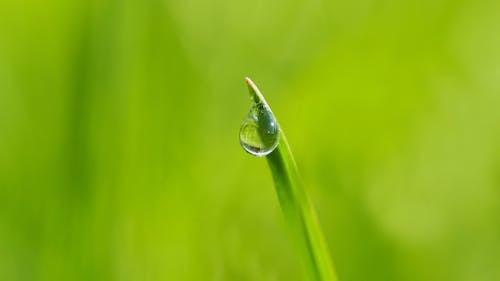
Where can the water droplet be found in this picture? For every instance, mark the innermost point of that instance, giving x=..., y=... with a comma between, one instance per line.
x=259, y=132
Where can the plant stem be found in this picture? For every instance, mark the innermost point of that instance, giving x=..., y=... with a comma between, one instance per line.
x=297, y=209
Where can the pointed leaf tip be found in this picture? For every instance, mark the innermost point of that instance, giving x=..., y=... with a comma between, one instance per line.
x=248, y=81
x=255, y=94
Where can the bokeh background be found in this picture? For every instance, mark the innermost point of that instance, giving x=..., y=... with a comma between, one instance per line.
x=119, y=151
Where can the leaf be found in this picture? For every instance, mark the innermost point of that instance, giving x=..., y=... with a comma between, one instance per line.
x=296, y=206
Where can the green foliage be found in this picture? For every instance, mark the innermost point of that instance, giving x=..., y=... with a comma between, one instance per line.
x=296, y=206
x=119, y=157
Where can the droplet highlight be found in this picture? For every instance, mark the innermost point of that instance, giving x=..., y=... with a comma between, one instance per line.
x=259, y=132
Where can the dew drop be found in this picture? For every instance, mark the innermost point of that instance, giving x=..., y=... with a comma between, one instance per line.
x=259, y=132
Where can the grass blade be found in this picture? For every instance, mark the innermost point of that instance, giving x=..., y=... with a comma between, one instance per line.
x=297, y=208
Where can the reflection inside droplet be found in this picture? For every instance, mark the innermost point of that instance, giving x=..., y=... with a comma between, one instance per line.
x=259, y=132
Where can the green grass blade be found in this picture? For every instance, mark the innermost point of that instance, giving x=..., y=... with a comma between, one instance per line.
x=297, y=208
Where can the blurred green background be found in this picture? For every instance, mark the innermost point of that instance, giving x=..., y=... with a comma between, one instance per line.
x=119, y=151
